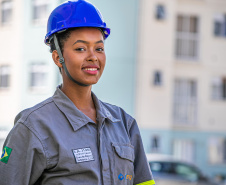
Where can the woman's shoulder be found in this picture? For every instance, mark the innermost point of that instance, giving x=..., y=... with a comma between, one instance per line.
x=32, y=111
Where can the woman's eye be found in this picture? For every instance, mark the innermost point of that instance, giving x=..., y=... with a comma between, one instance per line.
x=80, y=49
x=100, y=49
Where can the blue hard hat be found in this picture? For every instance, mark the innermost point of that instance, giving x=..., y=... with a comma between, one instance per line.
x=73, y=14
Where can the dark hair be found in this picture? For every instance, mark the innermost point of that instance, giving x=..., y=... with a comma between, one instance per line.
x=62, y=38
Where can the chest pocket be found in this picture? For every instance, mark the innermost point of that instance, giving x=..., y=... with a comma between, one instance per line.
x=124, y=151
x=123, y=165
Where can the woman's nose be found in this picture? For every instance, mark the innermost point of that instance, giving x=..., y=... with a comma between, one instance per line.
x=91, y=56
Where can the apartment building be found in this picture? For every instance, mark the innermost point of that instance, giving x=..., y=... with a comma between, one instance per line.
x=27, y=73
x=181, y=80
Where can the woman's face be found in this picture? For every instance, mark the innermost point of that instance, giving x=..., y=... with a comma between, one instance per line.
x=84, y=55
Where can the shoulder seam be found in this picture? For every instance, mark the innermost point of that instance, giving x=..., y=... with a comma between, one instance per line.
x=42, y=105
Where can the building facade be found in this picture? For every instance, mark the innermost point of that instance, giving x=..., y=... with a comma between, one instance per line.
x=181, y=80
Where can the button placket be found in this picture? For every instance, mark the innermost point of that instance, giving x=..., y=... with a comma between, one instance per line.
x=104, y=158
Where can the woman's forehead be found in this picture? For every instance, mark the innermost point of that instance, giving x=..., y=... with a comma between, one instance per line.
x=88, y=33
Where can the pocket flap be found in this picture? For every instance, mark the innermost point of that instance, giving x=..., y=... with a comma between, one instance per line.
x=125, y=151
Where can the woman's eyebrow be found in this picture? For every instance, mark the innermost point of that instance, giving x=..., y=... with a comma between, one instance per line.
x=81, y=41
x=85, y=42
x=100, y=41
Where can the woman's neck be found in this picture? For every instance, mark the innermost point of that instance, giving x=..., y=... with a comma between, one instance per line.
x=82, y=99
x=80, y=96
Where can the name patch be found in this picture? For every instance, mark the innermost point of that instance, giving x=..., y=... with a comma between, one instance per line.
x=83, y=155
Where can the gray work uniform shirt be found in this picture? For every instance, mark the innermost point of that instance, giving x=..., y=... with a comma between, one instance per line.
x=54, y=143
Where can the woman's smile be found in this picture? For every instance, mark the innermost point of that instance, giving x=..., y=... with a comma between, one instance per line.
x=92, y=70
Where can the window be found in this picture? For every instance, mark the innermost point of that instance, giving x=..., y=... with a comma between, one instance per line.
x=187, y=37
x=160, y=13
x=219, y=88
x=4, y=76
x=162, y=166
x=187, y=172
x=217, y=150
x=220, y=25
x=185, y=102
x=183, y=149
x=40, y=10
x=38, y=76
x=176, y=170
x=157, y=78
x=155, y=144
x=6, y=11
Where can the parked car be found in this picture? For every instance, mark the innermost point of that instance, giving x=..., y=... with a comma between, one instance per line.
x=170, y=171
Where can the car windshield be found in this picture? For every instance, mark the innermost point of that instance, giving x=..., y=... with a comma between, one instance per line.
x=182, y=170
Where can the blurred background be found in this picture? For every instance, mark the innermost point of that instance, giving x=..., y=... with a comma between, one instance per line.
x=166, y=66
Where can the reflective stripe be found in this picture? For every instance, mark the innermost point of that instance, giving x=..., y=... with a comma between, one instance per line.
x=151, y=182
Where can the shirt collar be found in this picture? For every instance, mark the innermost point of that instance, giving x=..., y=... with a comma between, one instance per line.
x=102, y=111
x=77, y=118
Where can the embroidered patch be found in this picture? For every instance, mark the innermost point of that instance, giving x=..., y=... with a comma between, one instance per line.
x=5, y=155
x=83, y=155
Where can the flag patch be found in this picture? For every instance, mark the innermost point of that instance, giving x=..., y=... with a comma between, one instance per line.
x=5, y=155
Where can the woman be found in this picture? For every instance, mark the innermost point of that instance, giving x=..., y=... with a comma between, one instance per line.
x=73, y=137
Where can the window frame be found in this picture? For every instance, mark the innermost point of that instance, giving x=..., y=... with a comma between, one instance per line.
x=5, y=10
x=217, y=150
x=38, y=76
x=37, y=19
x=187, y=41
x=184, y=149
x=7, y=72
x=218, y=88
x=185, y=102
x=160, y=12
x=155, y=144
x=219, y=20
x=157, y=78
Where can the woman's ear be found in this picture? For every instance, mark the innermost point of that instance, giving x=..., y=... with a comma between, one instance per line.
x=56, y=58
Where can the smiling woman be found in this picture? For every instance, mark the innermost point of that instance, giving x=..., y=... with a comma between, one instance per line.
x=73, y=137
x=84, y=56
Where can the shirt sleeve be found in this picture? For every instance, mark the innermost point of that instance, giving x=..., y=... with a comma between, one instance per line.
x=142, y=171
x=23, y=159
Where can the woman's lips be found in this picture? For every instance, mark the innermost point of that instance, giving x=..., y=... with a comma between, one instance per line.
x=91, y=70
